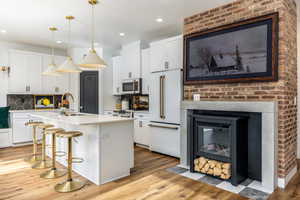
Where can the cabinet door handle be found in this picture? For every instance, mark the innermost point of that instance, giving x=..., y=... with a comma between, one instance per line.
x=166, y=65
x=160, y=126
x=129, y=74
x=162, y=97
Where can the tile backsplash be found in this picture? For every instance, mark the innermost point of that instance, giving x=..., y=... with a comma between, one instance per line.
x=20, y=101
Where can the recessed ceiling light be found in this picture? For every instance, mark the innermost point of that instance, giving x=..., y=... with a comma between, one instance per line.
x=58, y=42
x=122, y=34
x=159, y=20
x=3, y=31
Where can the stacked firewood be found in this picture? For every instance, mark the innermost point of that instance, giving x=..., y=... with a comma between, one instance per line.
x=212, y=167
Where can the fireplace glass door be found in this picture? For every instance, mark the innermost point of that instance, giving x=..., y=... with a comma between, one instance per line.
x=214, y=139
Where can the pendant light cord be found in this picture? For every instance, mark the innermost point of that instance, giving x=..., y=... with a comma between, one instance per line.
x=69, y=35
x=52, y=47
x=93, y=26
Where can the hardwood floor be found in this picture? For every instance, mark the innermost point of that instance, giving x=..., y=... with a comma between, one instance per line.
x=149, y=181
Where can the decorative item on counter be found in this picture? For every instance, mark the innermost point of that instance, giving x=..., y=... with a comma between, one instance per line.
x=44, y=102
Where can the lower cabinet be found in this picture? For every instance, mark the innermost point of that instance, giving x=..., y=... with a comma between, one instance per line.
x=141, y=132
x=20, y=132
x=5, y=138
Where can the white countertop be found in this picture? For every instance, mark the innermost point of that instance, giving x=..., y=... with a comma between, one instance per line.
x=85, y=119
x=33, y=110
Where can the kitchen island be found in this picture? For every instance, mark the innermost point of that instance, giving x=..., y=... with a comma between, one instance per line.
x=106, y=145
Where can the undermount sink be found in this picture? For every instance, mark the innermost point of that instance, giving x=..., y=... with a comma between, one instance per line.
x=74, y=114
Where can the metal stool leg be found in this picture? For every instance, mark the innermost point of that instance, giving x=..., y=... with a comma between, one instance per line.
x=53, y=172
x=44, y=163
x=35, y=157
x=70, y=184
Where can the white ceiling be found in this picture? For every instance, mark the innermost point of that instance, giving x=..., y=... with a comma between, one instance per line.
x=27, y=21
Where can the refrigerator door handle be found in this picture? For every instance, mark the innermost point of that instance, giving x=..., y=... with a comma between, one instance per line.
x=161, y=126
x=162, y=97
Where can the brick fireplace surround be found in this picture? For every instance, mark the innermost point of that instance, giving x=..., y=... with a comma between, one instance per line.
x=283, y=91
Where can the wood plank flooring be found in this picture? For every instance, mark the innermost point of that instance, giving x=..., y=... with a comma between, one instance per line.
x=148, y=181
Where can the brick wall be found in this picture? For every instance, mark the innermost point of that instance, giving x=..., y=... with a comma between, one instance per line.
x=283, y=91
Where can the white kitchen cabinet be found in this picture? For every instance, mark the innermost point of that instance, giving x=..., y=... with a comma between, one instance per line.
x=25, y=76
x=21, y=133
x=141, y=128
x=141, y=132
x=34, y=73
x=131, y=61
x=5, y=138
x=18, y=71
x=146, y=71
x=166, y=54
x=116, y=75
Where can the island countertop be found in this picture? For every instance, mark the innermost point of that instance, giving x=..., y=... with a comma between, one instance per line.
x=81, y=118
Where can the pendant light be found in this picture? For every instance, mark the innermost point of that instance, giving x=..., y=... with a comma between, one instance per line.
x=93, y=60
x=52, y=67
x=68, y=66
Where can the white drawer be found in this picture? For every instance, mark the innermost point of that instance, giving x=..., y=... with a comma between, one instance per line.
x=20, y=115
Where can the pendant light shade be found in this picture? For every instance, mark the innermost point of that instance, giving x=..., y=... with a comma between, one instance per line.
x=52, y=67
x=93, y=60
x=51, y=70
x=68, y=66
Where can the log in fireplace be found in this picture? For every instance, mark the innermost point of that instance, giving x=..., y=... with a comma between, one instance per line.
x=226, y=145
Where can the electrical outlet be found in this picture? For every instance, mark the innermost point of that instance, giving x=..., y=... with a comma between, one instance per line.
x=197, y=97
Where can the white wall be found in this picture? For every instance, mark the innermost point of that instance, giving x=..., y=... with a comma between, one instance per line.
x=109, y=100
x=4, y=47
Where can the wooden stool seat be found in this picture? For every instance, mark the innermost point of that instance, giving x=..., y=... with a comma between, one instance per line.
x=32, y=123
x=52, y=131
x=44, y=126
x=69, y=134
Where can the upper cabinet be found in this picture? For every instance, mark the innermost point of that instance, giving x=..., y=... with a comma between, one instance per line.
x=26, y=74
x=166, y=54
x=131, y=61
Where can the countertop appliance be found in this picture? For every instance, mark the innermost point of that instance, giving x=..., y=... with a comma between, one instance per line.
x=164, y=102
x=132, y=86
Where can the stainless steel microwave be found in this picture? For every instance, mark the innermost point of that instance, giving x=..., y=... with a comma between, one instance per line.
x=132, y=86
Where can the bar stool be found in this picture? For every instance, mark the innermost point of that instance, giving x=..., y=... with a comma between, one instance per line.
x=35, y=156
x=54, y=172
x=44, y=163
x=70, y=184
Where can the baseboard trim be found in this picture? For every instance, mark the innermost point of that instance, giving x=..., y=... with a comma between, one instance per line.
x=282, y=182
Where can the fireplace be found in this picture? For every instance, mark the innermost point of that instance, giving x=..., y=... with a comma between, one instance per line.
x=226, y=145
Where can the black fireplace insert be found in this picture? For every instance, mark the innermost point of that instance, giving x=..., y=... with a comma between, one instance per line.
x=219, y=145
